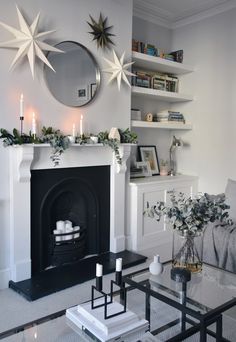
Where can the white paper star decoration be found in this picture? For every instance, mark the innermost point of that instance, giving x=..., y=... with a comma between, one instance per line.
x=27, y=41
x=118, y=69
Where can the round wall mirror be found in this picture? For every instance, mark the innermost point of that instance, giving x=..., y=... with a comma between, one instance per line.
x=77, y=78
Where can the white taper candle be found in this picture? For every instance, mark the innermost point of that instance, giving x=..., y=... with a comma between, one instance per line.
x=99, y=269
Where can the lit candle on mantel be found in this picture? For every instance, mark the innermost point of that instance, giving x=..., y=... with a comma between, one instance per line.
x=33, y=131
x=73, y=130
x=21, y=107
x=81, y=125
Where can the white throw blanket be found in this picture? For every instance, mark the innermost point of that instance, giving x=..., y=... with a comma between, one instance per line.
x=219, y=246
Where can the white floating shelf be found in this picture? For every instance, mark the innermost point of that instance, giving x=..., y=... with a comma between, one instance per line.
x=161, y=95
x=160, y=64
x=161, y=125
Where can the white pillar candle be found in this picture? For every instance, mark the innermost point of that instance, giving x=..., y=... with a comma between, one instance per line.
x=69, y=230
x=58, y=238
x=119, y=265
x=60, y=226
x=76, y=231
x=73, y=130
x=99, y=270
x=68, y=224
x=33, y=124
x=21, y=106
x=81, y=125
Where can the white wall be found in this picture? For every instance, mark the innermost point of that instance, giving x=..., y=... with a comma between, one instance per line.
x=110, y=108
x=210, y=45
x=161, y=38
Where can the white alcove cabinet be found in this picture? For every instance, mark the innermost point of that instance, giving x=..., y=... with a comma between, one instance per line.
x=144, y=233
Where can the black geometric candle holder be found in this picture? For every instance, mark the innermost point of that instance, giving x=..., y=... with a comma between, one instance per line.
x=108, y=298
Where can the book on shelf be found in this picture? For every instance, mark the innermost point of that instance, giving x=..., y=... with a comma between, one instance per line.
x=178, y=56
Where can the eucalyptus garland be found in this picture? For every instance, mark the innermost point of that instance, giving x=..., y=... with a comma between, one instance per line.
x=60, y=142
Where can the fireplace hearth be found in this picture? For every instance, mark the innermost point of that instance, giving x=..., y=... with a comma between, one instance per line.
x=60, y=278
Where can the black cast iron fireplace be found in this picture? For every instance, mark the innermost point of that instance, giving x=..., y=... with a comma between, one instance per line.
x=80, y=195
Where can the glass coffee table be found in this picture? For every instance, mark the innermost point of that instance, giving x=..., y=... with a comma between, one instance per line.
x=172, y=315
x=199, y=303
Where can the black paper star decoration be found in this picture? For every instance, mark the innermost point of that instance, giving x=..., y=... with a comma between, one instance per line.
x=100, y=32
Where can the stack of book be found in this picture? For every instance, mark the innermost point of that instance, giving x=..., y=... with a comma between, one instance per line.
x=124, y=327
x=162, y=116
x=172, y=83
x=148, y=49
x=155, y=80
x=176, y=116
x=142, y=79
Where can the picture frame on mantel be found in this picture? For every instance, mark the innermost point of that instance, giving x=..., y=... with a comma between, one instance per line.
x=148, y=153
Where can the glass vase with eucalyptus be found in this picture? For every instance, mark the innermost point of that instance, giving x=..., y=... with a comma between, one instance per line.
x=188, y=216
x=187, y=250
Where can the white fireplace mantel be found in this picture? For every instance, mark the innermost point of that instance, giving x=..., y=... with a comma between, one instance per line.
x=29, y=157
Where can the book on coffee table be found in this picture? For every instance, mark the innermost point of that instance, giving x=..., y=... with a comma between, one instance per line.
x=126, y=325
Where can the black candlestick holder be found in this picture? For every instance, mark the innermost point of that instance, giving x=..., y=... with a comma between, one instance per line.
x=108, y=298
x=21, y=125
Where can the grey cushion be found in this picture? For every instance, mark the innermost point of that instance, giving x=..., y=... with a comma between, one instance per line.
x=230, y=194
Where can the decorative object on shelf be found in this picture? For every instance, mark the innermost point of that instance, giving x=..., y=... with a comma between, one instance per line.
x=114, y=134
x=156, y=266
x=27, y=41
x=174, y=144
x=149, y=117
x=136, y=114
x=188, y=218
x=81, y=82
x=164, y=167
x=118, y=69
x=144, y=168
x=60, y=142
x=100, y=32
x=149, y=153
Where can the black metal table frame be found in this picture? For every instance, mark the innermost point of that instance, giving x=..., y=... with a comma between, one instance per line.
x=204, y=320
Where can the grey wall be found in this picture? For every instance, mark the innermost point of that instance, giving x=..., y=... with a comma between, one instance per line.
x=110, y=108
x=210, y=46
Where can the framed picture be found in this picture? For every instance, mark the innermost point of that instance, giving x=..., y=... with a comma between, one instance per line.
x=83, y=93
x=145, y=168
x=149, y=154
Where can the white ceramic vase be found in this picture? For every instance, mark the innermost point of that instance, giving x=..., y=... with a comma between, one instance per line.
x=156, y=266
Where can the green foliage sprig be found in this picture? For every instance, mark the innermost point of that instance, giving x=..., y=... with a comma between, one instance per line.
x=191, y=214
x=60, y=142
x=15, y=138
x=57, y=140
x=113, y=143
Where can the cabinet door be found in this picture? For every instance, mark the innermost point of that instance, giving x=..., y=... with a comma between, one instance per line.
x=154, y=233
x=152, y=226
